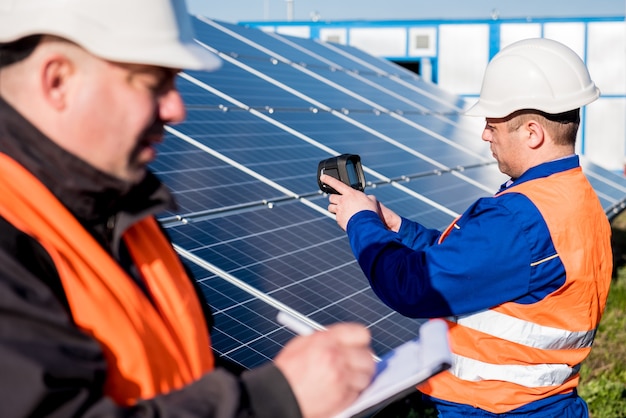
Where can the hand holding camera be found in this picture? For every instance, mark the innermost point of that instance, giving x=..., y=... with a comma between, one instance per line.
x=345, y=168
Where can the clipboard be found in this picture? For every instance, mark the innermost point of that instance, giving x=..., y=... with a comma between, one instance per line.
x=403, y=368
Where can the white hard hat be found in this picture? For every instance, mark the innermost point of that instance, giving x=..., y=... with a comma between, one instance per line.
x=152, y=32
x=539, y=74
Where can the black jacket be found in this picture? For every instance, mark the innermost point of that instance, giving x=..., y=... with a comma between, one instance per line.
x=48, y=367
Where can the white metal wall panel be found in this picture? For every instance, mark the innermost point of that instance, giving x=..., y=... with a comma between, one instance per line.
x=571, y=34
x=513, y=32
x=299, y=31
x=606, y=121
x=380, y=41
x=463, y=57
x=607, y=56
x=605, y=131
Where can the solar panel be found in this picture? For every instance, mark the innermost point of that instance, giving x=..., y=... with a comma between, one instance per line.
x=252, y=224
x=608, y=186
x=296, y=257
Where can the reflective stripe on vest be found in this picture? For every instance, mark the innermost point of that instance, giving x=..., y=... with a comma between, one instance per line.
x=151, y=347
x=525, y=332
x=537, y=375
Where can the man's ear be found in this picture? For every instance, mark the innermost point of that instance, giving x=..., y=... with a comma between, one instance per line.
x=56, y=73
x=535, y=134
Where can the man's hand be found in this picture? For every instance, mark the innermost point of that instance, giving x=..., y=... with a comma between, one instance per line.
x=391, y=219
x=348, y=202
x=327, y=370
x=351, y=201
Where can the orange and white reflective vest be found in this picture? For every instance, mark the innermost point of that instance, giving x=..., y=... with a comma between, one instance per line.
x=514, y=354
x=151, y=347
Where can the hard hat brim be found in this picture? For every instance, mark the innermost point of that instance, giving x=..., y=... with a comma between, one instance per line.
x=164, y=49
x=482, y=108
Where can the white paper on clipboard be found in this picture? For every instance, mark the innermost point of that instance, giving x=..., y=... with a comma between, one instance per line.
x=406, y=366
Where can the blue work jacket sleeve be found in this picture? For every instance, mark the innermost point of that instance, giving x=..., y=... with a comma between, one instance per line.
x=416, y=236
x=483, y=262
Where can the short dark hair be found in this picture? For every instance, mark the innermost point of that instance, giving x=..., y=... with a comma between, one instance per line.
x=12, y=52
x=563, y=126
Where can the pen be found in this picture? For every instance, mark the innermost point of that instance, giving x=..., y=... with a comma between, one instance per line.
x=298, y=326
x=294, y=324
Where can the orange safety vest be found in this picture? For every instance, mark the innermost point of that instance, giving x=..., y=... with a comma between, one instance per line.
x=150, y=347
x=514, y=354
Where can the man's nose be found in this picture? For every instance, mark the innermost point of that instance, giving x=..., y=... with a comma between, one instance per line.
x=486, y=136
x=171, y=107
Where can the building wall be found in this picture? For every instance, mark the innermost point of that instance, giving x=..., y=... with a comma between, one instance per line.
x=454, y=54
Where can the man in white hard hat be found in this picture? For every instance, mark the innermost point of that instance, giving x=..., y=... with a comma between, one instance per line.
x=521, y=277
x=98, y=317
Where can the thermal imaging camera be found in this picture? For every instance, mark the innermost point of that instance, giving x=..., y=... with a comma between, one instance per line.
x=346, y=168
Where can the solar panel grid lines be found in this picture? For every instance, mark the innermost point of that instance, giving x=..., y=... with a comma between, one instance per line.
x=199, y=180
x=609, y=187
x=349, y=60
x=375, y=65
x=373, y=132
x=408, y=149
x=356, y=71
x=603, y=176
x=244, y=322
x=317, y=283
x=329, y=66
x=408, y=80
x=252, y=225
x=478, y=184
x=295, y=195
x=374, y=105
x=253, y=291
x=262, y=75
x=376, y=83
x=231, y=162
x=335, y=152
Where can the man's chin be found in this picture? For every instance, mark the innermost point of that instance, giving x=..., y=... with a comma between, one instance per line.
x=138, y=176
x=134, y=175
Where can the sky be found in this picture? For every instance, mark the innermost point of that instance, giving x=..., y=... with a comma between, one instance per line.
x=306, y=10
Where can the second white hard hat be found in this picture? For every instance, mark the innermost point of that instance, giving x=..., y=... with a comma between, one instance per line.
x=539, y=74
x=152, y=32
